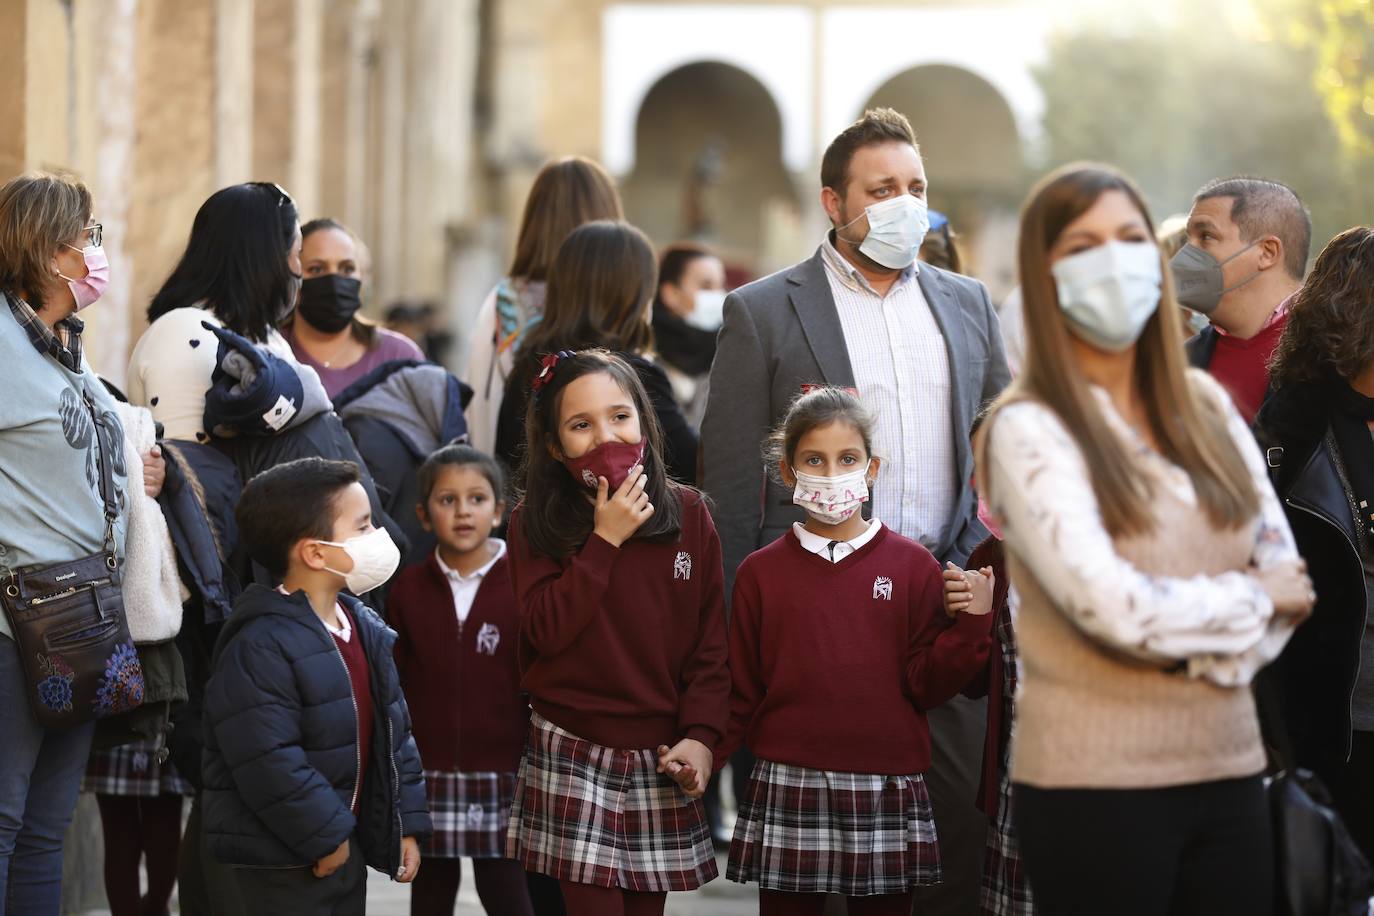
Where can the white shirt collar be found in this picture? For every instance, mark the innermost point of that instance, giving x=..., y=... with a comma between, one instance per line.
x=850, y=274
x=498, y=550
x=814, y=543
x=344, y=632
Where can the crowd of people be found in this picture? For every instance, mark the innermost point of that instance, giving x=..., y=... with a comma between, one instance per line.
x=985, y=614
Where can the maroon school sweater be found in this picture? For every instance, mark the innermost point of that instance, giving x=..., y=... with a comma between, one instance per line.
x=360, y=679
x=836, y=664
x=626, y=646
x=462, y=683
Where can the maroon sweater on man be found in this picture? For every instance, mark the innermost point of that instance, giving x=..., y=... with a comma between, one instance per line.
x=836, y=664
x=462, y=682
x=1242, y=366
x=626, y=646
x=360, y=679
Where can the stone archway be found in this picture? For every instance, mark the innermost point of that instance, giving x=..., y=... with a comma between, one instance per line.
x=708, y=162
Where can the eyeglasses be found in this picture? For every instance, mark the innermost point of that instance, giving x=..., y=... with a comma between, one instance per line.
x=93, y=233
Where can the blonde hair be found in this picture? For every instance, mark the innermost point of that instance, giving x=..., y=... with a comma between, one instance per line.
x=1189, y=428
x=39, y=213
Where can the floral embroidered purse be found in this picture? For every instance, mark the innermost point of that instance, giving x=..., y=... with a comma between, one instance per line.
x=68, y=622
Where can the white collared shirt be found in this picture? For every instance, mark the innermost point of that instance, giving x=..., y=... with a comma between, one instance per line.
x=345, y=628
x=465, y=587
x=816, y=544
x=901, y=370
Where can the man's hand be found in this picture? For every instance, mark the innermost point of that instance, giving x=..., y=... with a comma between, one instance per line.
x=410, y=860
x=688, y=763
x=332, y=862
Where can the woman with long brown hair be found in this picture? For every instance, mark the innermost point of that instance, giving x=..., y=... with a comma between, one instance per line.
x=1316, y=424
x=1156, y=572
x=567, y=192
x=600, y=290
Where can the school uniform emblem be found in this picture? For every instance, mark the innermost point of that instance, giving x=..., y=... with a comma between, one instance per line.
x=488, y=638
x=589, y=478
x=476, y=815
x=682, y=565
x=882, y=588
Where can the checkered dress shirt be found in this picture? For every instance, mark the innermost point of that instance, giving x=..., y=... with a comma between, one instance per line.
x=62, y=344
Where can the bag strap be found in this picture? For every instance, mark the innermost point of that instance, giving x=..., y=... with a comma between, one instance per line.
x=107, y=488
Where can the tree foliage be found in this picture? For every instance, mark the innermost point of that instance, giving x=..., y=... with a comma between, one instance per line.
x=1200, y=98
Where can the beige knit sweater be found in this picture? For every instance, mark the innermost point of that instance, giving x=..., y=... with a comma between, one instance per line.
x=1136, y=651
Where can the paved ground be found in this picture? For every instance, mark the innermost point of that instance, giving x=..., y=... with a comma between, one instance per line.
x=719, y=898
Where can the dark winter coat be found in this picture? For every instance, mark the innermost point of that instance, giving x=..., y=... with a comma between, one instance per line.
x=1314, y=678
x=281, y=741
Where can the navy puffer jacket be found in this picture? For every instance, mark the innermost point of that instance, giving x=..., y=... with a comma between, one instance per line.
x=281, y=747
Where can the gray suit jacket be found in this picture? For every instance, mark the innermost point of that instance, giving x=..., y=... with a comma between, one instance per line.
x=783, y=332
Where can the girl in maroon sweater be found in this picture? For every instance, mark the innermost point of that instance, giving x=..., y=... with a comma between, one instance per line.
x=839, y=645
x=457, y=628
x=622, y=644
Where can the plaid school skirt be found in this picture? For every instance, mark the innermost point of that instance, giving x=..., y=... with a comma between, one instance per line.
x=813, y=831
x=132, y=769
x=598, y=815
x=471, y=813
x=1006, y=891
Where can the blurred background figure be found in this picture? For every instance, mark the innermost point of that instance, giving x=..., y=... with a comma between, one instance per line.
x=687, y=315
x=939, y=247
x=326, y=332
x=567, y=193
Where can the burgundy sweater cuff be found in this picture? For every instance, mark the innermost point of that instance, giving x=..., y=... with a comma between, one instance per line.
x=707, y=736
x=598, y=552
x=972, y=628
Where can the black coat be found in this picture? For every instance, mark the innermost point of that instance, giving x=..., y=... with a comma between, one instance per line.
x=1315, y=676
x=281, y=742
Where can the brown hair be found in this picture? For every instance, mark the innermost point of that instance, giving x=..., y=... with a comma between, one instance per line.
x=1330, y=328
x=878, y=125
x=672, y=264
x=811, y=410
x=1261, y=207
x=364, y=330
x=567, y=193
x=1191, y=431
x=557, y=517
x=599, y=290
x=39, y=213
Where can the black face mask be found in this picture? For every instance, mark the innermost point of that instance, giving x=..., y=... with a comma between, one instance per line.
x=329, y=302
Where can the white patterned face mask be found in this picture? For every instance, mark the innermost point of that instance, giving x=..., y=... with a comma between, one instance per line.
x=831, y=500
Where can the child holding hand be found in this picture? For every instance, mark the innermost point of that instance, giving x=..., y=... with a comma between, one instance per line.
x=618, y=578
x=839, y=646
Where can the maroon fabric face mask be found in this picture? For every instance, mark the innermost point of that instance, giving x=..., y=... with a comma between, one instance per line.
x=611, y=460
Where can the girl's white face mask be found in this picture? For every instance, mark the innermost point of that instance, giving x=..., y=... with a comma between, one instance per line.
x=831, y=500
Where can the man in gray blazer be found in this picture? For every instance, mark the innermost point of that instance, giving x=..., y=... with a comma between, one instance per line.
x=923, y=349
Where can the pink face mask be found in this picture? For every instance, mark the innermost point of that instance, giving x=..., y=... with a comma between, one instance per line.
x=988, y=519
x=91, y=287
x=611, y=460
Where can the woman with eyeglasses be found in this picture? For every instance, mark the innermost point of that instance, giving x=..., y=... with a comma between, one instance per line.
x=51, y=267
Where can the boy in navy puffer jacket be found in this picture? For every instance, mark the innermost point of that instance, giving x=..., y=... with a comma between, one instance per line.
x=310, y=769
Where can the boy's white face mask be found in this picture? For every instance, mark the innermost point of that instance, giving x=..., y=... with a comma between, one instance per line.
x=375, y=557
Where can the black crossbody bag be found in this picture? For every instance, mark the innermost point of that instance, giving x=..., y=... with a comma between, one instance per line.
x=68, y=622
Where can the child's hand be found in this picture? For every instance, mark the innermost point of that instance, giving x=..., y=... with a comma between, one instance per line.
x=688, y=764
x=958, y=590
x=332, y=862
x=982, y=581
x=620, y=515
x=410, y=860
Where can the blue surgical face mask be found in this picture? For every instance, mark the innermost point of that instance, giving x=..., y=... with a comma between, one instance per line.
x=1108, y=293
x=896, y=229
